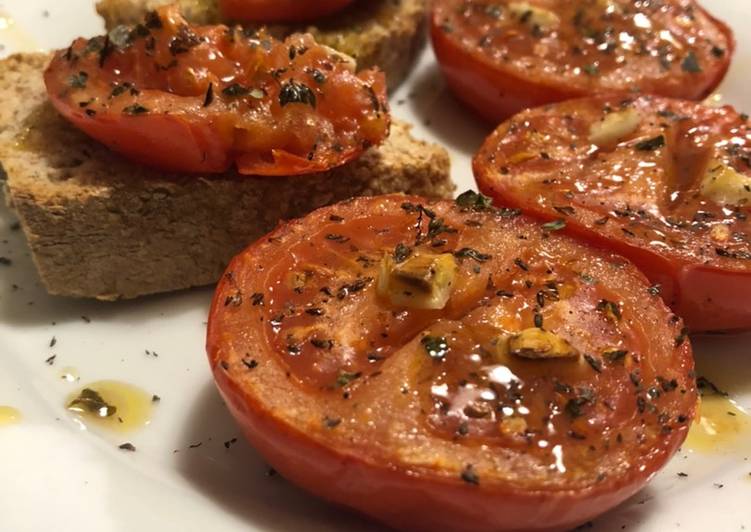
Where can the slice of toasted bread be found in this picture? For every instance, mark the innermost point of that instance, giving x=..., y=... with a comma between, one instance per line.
x=386, y=33
x=100, y=226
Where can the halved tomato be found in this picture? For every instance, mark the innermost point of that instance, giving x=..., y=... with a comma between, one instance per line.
x=200, y=99
x=454, y=367
x=500, y=57
x=667, y=183
x=279, y=10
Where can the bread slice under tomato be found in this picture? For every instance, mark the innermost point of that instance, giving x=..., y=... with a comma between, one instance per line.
x=502, y=57
x=445, y=365
x=100, y=226
x=664, y=182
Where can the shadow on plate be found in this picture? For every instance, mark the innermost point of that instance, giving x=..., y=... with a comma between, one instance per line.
x=236, y=477
x=724, y=360
x=437, y=109
x=24, y=301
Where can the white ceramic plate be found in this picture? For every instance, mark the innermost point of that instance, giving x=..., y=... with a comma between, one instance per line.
x=54, y=475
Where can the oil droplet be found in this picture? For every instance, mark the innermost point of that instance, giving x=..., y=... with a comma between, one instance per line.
x=720, y=424
x=111, y=405
x=12, y=38
x=69, y=374
x=558, y=454
x=9, y=416
x=713, y=100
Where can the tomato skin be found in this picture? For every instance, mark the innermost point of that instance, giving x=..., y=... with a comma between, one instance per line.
x=491, y=94
x=709, y=294
x=203, y=99
x=402, y=497
x=707, y=299
x=279, y=10
x=495, y=92
x=414, y=503
x=171, y=143
x=714, y=300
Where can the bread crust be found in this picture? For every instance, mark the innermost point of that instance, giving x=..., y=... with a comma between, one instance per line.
x=384, y=33
x=100, y=226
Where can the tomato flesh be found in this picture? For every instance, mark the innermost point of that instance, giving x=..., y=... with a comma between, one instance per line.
x=201, y=99
x=502, y=57
x=279, y=10
x=643, y=196
x=421, y=418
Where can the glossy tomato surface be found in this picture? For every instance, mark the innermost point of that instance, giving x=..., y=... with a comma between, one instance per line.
x=201, y=99
x=448, y=418
x=652, y=194
x=501, y=57
x=279, y=10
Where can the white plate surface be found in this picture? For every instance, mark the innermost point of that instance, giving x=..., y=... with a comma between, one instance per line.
x=55, y=476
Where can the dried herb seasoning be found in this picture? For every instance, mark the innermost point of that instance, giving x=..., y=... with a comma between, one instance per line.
x=296, y=92
x=90, y=401
x=435, y=346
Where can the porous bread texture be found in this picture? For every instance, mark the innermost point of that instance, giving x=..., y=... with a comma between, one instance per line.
x=383, y=33
x=100, y=226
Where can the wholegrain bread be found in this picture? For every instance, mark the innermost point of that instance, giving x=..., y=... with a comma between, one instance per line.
x=384, y=33
x=100, y=226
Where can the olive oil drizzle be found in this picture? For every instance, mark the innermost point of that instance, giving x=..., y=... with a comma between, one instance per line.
x=720, y=425
x=9, y=416
x=111, y=405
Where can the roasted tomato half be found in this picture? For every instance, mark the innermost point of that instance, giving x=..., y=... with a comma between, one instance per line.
x=200, y=99
x=500, y=57
x=450, y=366
x=279, y=10
x=666, y=183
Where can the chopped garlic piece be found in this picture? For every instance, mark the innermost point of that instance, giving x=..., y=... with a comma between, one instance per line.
x=298, y=280
x=533, y=15
x=725, y=185
x=521, y=157
x=609, y=6
x=720, y=233
x=423, y=281
x=512, y=425
x=614, y=127
x=499, y=349
x=537, y=343
x=346, y=60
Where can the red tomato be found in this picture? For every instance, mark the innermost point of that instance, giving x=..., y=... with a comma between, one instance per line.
x=547, y=388
x=200, y=99
x=502, y=57
x=670, y=191
x=279, y=10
